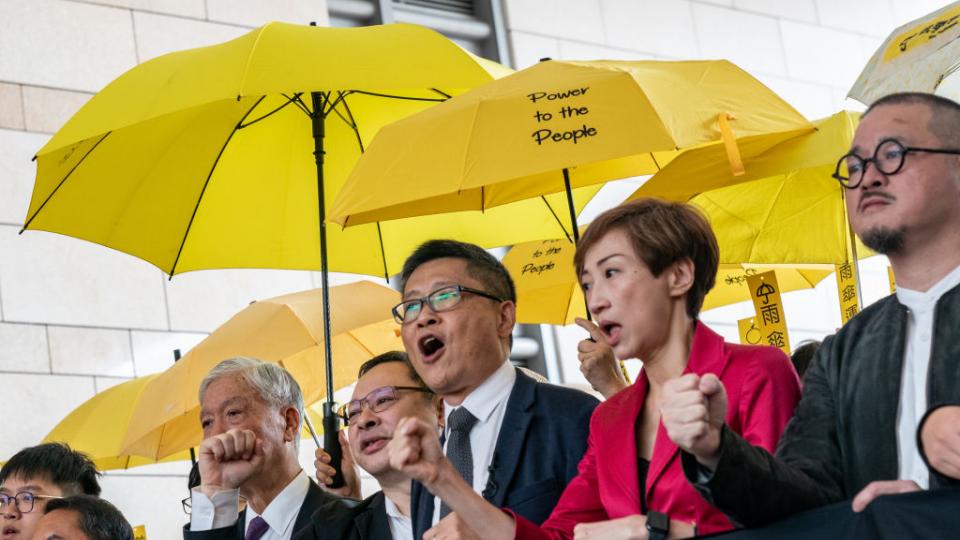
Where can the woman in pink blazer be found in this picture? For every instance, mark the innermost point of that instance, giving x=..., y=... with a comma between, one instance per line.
x=645, y=268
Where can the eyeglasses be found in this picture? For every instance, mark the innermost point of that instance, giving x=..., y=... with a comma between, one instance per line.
x=888, y=158
x=378, y=400
x=442, y=299
x=24, y=500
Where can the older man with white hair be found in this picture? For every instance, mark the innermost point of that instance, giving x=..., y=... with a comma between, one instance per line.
x=251, y=412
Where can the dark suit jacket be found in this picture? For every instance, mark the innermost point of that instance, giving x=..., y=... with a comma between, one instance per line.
x=338, y=521
x=316, y=498
x=541, y=441
x=843, y=435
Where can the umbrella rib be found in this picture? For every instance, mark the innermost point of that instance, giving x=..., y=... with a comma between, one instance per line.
x=556, y=217
x=352, y=123
x=56, y=189
x=393, y=96
x=278, y=109
x=206, y=182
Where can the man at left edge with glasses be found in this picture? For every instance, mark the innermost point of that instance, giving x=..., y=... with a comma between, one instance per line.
x=35, y=475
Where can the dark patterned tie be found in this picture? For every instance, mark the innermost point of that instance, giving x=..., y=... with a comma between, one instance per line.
x=458, y=447
x=257, y=528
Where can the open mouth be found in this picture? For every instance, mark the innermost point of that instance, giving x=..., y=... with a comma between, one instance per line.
x=10, y=532
x=611, y=331
x=430, y=347
x=374, y=444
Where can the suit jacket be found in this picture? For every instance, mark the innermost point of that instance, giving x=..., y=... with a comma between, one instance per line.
x=338, y=521
x=316, y=498
x=762, y=392
x=844, y=433
x=543, y=437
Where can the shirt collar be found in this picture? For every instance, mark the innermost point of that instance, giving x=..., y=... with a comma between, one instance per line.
x=484, y=399
x=919, y=299
x=392, y=510
x=282, y=511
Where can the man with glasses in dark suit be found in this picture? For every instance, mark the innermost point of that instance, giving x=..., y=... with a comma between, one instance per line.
x=515, y=440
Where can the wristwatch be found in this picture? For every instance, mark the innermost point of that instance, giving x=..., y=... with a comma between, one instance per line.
x=658, y=525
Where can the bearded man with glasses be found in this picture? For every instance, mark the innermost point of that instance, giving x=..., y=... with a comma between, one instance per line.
x=891, y=368
x=514, y=440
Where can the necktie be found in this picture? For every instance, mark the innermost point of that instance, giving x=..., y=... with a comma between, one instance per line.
x=458, y=447
x=257, y=528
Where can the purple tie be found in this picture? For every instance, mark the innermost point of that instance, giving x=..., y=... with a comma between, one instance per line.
x=256, y=529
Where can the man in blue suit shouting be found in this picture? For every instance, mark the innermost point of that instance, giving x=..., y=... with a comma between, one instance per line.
x=515, y=440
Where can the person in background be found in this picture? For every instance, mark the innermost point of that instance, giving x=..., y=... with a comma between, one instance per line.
x=802, y=356
x=645, y=268
x=34, y=477
x=82, y=517
x=387, y=389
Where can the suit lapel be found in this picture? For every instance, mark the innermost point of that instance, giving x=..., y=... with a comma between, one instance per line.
x=421, y=509
x=373, y=523
x=510, y=440
x=624, y=469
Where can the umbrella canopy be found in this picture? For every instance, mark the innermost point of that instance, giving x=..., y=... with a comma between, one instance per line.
x=99, y=425
x=916, y=57
x=518, y=137
x=287, y=328
x=204, y=158
x=548, y=291
x=786, y=209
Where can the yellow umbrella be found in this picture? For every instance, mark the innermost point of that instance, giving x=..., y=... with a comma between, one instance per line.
x=916, y=57
x=555, y=126
x=786, y=209
x=98, y=427
x=548, y=291
x=287, y=329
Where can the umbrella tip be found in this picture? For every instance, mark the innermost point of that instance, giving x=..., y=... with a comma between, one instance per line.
x=313, y=23
x=34, y=158
x=546, y=59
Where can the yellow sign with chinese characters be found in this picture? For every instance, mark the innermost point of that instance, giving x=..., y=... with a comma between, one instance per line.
x=893, y=282
x=140, y=532
x=847, y=292
x=770, y=319
x=921, y=34
x=749, y=333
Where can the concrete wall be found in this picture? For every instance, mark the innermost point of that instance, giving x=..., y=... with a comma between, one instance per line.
x=76, y=318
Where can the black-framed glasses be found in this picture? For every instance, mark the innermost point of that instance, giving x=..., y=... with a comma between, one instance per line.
x=442, y=299
x=378, y=400
x=888, y=158
x=24, y=500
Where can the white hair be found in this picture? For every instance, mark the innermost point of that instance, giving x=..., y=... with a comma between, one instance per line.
x=274, y=384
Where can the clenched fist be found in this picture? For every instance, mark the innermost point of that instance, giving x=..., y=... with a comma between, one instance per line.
x=415, y=451
x=227, y=460
x=693, y=411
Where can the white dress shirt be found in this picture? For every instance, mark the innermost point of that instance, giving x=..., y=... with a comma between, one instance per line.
x=401, y=528
x=488, y=403
x=223, y=509
x=916, y=363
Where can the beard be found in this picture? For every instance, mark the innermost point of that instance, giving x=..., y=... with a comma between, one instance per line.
x=884, y=240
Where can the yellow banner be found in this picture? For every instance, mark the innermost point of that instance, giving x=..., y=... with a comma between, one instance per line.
x=847, y=292
x=140, y=532
x=921, y=34
x=749, y=333
x=893, y=282
x=770, y=319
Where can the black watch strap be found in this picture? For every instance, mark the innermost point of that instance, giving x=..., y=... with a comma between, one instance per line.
x=658, y=525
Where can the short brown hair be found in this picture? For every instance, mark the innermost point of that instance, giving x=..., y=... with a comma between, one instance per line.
x=662, y=233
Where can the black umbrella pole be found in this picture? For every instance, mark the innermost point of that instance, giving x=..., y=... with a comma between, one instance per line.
x=573, y=223
x=331, y=423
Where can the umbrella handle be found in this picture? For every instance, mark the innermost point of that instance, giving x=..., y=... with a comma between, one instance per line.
x=331, y=442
